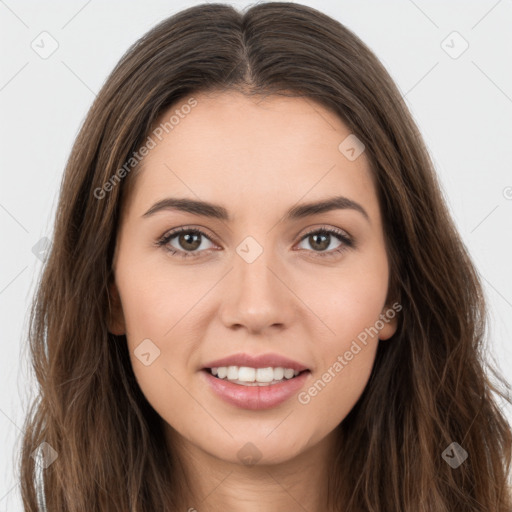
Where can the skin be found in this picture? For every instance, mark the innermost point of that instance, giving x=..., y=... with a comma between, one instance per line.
x=257, y=158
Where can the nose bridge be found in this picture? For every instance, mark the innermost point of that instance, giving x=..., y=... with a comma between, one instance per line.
x=255, y=276
x=257, y=298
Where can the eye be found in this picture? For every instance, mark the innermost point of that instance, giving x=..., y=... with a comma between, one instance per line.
x=322, y=238
x=188, y=240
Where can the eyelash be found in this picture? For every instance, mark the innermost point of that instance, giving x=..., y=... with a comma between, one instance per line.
x=348, y=242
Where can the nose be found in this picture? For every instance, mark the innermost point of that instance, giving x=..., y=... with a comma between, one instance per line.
x=257, y=296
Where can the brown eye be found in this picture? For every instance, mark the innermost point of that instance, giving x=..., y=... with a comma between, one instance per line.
x=184, y=242
x=189, y=241
x=321, y=239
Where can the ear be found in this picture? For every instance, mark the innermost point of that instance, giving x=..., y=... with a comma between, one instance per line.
x=389, y=317
x=116, y=322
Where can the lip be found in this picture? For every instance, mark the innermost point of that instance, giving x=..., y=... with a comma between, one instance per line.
x=257, y=361
x=255, y=397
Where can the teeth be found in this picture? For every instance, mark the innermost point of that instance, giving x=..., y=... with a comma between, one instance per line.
x=257, y=376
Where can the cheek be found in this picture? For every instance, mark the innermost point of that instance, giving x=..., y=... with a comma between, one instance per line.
x=345, y=359
x=348, y=298
x=154, y=299
x=154, y=325
x=162, y=328
x=338, y=386
x=349, y=302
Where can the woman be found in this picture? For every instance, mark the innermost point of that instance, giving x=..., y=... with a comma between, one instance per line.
x=256, y=297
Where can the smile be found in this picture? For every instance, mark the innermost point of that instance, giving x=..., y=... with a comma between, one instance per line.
x=255, y=388
x=247, y=376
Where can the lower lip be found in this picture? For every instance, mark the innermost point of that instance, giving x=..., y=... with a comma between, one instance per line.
x=256, y=397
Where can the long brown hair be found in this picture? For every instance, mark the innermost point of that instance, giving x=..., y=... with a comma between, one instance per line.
x=430, y=385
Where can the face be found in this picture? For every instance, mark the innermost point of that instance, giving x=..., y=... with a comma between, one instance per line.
x=256, y=277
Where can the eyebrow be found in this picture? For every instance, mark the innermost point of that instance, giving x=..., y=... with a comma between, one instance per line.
x=206, y=209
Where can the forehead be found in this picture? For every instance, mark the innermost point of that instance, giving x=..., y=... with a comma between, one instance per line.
x=256, y=152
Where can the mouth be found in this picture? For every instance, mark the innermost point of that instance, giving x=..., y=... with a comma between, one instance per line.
x=251, y=376
x=255, y=388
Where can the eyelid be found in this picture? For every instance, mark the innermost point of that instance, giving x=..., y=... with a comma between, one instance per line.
x=170, y=234
x=326, y=227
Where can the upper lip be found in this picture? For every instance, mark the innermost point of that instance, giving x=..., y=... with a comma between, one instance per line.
x=257, y=361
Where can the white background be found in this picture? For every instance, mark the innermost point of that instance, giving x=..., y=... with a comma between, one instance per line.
x=463, y=107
